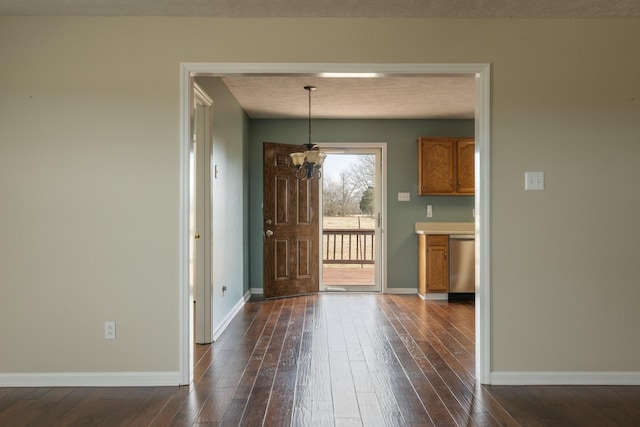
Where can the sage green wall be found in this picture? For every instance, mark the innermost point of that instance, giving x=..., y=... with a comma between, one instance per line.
x=402, y=176
x=229, y=192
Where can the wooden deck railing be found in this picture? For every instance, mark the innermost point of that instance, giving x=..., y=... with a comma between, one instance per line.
x=348, y=246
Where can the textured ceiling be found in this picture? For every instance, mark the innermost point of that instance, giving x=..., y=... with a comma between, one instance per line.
x=330, y=8
x=367, y=98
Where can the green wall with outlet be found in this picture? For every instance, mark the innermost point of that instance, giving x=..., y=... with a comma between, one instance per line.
x=402, y=177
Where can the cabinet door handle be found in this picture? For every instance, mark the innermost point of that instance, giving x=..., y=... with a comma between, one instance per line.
x=445, y=255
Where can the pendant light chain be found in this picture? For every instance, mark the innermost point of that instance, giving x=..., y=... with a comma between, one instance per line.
x=309, y=90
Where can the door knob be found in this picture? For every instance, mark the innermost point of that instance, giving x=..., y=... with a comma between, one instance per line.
x=268, y=233
x=197, y=236
x=268, y=221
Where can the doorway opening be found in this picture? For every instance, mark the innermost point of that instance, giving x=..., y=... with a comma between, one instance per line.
x=482, y=183
x=352, y=246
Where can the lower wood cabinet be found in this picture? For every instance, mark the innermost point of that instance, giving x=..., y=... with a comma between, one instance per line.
x=433, y=263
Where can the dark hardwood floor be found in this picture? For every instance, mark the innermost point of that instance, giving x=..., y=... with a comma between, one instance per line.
x=332, y=360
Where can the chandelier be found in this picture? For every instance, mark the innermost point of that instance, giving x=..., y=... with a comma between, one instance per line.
x=309, y=162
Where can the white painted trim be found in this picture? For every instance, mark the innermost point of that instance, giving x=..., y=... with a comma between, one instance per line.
x=440, y=296
x=228, y=318
x=203, y=295
x=186, y=358
x=394, y=69
x=247, y=295
x=91, y=379
x=565, y=378
x=382, y=146
x=385, y=230
x=201, y=95
x=257, y=291
x=401, y=291
x=482, y=135
x=482, y=220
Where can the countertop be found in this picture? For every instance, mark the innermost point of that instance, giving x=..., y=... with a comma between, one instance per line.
x=445, y=228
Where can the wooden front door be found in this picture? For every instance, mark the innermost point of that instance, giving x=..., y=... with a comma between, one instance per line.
x=290, y=215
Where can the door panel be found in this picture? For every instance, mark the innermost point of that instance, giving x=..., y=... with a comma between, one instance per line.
x=291, y=264
x=304, y=208
x=281, y=254
x=281, y=195
x=436, y=170
x=466, y=166
x=304, y=254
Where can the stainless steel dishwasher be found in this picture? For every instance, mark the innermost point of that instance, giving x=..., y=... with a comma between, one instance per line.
x=462, y=264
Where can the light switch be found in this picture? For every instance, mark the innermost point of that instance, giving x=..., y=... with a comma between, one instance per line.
x=404, y=197
x=534, y=181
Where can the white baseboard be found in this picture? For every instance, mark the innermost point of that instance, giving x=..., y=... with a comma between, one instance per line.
x=228, y=318
x=443, y=296
x=108, y=379
x=401, y=291
x=397, y=291
x=91, y=379
x=565, y=378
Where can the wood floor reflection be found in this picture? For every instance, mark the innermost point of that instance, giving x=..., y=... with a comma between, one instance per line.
x=331, y=360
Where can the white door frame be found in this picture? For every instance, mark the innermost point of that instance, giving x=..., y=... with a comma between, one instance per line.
x=381, y=262
x=482, y=182
x=203, y=294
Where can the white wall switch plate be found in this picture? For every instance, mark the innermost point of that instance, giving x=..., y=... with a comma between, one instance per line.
x=534, y=181
x=404, y=197
x=429, y=211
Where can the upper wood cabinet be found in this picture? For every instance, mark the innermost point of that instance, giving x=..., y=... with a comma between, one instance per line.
x=446, y=166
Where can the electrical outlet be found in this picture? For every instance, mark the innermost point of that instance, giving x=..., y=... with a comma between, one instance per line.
x=429, y=211
x=109, y=330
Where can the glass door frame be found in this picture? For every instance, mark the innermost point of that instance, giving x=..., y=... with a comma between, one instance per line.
x=380, y=241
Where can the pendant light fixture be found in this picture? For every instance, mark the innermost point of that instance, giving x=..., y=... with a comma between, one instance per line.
x=309, y=162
